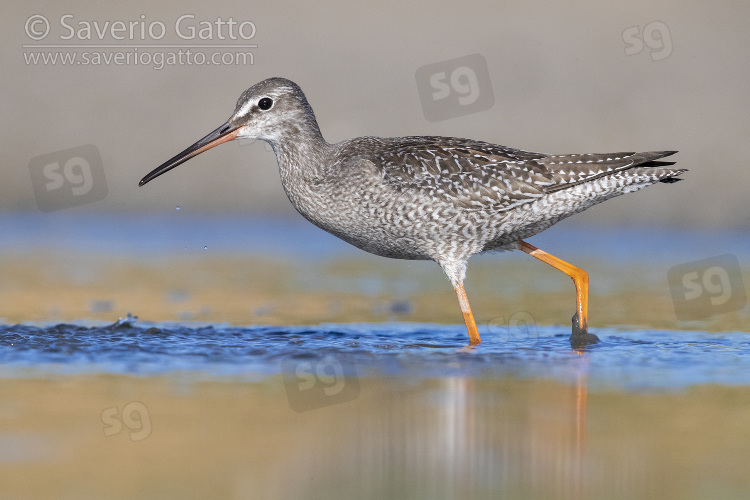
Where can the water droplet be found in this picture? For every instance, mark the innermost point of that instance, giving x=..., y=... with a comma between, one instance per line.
x=178, y=207
x=205, y=247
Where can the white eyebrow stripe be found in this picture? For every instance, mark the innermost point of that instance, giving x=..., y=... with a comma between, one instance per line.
x=245, y=109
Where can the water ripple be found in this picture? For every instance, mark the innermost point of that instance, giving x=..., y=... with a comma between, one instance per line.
x=632, y=360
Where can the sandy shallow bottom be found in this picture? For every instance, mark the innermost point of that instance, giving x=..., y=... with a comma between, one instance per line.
x=247, y=290
x=107, y=436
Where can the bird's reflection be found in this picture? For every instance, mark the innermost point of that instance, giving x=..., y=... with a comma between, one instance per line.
x=580, y=423
x=452, y=436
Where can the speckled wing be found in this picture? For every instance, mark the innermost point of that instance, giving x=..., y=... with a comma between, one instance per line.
x=467, y=173
x=479, y=175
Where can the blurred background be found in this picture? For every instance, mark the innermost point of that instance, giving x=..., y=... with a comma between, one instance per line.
x=97, y=95
x=580, y=77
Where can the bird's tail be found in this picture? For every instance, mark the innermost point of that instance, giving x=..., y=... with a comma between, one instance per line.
x=571, y=170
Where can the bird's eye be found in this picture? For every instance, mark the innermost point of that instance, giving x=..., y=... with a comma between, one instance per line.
x=265, y=103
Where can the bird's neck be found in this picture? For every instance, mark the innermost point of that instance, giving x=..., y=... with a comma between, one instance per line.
x=301, y=151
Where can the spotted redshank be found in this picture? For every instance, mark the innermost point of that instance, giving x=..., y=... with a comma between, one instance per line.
x=437, y=198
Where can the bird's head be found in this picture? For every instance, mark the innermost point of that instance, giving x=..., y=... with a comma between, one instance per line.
x=274, y=110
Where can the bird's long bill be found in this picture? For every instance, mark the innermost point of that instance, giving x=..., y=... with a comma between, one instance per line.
x=221, y=135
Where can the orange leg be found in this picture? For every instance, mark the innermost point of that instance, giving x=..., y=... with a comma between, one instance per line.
x=471, y=325
x=581, y=281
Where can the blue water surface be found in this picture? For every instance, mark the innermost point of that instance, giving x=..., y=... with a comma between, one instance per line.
x=629, y=360
x=178, y=232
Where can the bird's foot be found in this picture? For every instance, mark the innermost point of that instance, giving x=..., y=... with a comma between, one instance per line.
x=580, y=337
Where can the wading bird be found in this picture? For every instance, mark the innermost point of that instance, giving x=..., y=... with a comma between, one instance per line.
x=438, y=198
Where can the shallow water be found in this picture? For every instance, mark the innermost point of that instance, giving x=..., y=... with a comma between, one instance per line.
x=629, y=360
x=398, y=410
x=377, y=397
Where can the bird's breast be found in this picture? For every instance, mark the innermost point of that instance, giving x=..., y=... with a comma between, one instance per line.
x=373, y=217
x=364, y=214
